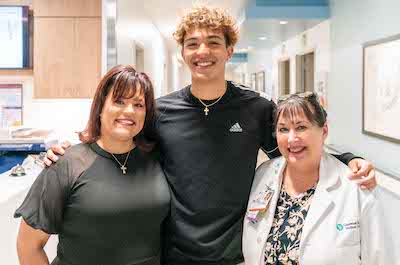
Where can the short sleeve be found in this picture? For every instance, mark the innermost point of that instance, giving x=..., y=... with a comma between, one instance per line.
x=44, y=205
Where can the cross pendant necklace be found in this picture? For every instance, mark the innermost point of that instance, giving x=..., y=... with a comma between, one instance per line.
x=122, y=166
x=206, y=109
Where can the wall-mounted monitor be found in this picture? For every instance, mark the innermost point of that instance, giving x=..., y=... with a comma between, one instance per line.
x=14, y=37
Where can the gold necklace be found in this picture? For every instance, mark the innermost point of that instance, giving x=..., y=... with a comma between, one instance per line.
x=123, y=167
x=206, y=110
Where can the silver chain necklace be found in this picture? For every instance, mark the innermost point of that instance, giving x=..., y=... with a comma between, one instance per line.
x=123, y=167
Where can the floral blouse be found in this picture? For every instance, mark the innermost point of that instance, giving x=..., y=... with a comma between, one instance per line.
x=283, y=242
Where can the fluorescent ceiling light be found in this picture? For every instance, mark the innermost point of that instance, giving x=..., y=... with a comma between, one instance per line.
x=262, y=38
x=283, y=22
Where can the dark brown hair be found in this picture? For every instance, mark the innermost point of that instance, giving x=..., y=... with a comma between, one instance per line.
x=124, y=80
x=296, y=104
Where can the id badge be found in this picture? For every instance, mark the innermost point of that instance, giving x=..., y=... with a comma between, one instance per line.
x=259, y=205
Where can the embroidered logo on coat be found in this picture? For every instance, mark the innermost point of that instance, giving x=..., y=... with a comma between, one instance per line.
x=236, y=128
x=348, y=226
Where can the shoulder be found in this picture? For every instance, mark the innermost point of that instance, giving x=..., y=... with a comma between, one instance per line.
x=76, y=159
x=266, y=170
x=246, y=92
x=165, y=101
x=259, y=100
x=349, y=186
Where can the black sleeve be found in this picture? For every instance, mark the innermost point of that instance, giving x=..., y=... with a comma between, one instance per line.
x=270, y=146
x=44, y=205
x=345, y=158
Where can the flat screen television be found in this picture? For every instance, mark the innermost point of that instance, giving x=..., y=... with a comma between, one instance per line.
x=14, y=37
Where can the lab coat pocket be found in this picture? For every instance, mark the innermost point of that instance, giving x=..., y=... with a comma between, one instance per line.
x=348, y=255
x=348, y=233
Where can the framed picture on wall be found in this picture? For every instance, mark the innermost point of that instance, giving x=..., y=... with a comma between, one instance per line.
x=10, y=105
x=253, y=84
x=261, y=81
x=381, y=89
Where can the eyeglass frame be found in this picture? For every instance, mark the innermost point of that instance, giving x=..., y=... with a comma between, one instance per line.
x=307, y=96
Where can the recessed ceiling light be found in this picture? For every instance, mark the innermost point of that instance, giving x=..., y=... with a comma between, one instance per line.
x=262, y=38
x=283, y=22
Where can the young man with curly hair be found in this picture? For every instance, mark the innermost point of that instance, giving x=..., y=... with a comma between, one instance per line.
x=209, y=135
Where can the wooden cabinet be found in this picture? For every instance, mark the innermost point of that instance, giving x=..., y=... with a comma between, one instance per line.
x=67, y=8
x=67, y=57
x=67, y=48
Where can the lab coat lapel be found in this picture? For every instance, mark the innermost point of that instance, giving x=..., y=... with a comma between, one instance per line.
x=322, y=201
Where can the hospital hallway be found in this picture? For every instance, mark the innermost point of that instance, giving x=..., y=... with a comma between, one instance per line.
x=53, y=54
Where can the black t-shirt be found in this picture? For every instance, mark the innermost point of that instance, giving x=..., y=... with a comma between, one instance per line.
x=209, y=161
x=100, y=215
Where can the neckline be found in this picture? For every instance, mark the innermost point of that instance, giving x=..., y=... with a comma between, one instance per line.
x=194, y=100
x=96, y=147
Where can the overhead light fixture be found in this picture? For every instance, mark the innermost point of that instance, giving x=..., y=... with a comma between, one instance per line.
x=283, y=22
x=263, y=38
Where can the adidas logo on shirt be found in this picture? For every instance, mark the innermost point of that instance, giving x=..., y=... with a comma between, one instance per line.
x=236, y=128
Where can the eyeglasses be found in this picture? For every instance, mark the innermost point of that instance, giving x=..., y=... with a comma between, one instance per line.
x=309, y=96
x=305, y=95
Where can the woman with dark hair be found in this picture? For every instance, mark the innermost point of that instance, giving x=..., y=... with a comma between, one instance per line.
x=302, y=208
x=106, y=197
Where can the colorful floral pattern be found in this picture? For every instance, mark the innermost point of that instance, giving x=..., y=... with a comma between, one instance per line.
x=283, y=242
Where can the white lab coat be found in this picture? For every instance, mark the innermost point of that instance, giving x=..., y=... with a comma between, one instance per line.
x=337, y=200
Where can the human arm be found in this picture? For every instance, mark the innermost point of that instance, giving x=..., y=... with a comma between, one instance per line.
x=362, y=170
x=374, y=248
x=30, y=245
x=42, y=211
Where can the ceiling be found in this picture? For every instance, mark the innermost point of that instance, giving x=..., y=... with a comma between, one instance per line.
x=268, y=33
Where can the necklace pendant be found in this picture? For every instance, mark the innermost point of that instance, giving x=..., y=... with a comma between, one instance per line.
x=123, y=168
x=206, y=110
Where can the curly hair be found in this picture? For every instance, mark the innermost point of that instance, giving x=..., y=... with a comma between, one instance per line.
x=201, y=16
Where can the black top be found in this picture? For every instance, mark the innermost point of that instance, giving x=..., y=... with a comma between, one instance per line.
x=100, y=215
x=209, y=162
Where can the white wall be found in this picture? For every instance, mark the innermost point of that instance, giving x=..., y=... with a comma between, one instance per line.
x=134, y=25
x=352, y=24
x=316, y=39
x=179, y=73
x=65, y=116
x=261, y=60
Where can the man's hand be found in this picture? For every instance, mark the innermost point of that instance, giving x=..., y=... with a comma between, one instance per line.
x=55, y=149
x=364, y=171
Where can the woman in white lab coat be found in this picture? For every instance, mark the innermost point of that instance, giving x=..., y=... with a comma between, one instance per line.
x=302, y=208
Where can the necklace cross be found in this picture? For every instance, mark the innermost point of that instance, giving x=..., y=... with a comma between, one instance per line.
x=123, y=168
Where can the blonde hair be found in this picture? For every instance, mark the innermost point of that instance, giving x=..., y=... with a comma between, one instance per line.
x=201, y=16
